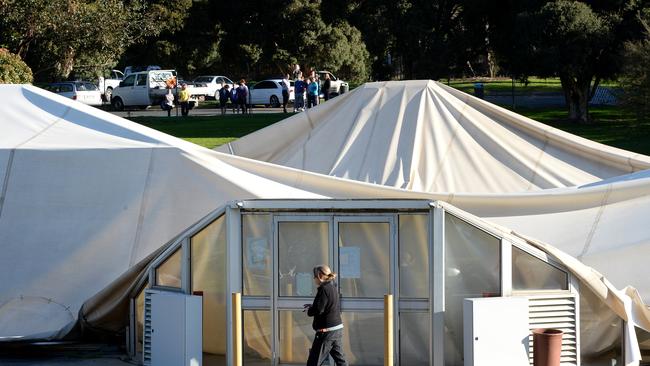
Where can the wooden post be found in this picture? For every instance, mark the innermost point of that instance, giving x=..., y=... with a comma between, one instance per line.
x=236, y=329
x=388, y=330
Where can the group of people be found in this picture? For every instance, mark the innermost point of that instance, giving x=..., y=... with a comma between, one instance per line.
x=309, y=86
x=238, y=96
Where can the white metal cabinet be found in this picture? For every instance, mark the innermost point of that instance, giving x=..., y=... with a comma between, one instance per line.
x=495, y=331
x=176, y=329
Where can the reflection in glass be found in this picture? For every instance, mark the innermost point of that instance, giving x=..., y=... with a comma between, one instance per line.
x=168, y=274
x=257, y=337
x=363, y=338
x=414, y=256
x=531, y=273
x=139, y=319
x=302, y=246
x=364, y=249
x=472, y=269
x=296, y=336
x=208, y=249
x=256, y=251
x=414, y=339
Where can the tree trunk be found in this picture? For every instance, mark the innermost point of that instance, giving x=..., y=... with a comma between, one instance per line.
x=577, y=95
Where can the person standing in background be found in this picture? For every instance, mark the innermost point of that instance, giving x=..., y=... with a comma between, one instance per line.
x=184, y=100
x=299, y=91
x=242, y=95
x=327, y=84
x=224, y=94
x=312, y=93
x=285, y=92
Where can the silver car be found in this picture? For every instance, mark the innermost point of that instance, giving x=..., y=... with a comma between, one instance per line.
x=82, y=91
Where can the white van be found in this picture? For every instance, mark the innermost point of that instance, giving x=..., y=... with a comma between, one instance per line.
x=145, y=88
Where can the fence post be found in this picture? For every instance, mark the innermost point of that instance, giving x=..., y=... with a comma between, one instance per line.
x=388, y=330
x=236, y=329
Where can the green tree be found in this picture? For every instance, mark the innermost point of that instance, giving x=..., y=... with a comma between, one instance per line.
x=55, y=38
x=635, y=77
x=13, y=70
x=581, y=42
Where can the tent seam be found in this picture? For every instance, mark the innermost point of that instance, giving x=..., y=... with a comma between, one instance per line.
x=538, y=161
x=374, y=125
x=594, y=226
x=5, y=182
x=143, y=205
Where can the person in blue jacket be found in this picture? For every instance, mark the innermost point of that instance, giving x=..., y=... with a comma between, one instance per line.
x=312, y=93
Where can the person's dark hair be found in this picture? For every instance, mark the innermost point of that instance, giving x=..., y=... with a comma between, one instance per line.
x=323, y=270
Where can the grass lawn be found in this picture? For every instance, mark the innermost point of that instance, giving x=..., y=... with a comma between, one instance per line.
x=613, y=126
x=210, y=131
x=504, y=85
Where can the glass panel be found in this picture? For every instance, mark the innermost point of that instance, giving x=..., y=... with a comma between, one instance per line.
x=531, y=273
x=208, y=249
x=363, y=338
x=363, y=258
x=256, y=237
x=139, y=319
x=414, y=256
x=257, y=337
x=414, y=339
x=168, y=274
x=472, y=269
x=296, y=336
x=302, y=246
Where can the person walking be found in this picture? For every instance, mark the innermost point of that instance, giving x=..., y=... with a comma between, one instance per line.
x=326, y=310
x=224, y=94
x=184, y=100
x=168, y=103
x=285, y=92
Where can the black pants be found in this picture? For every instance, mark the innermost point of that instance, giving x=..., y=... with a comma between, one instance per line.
x=328, y=343
x=185, y=108
x=242, y=105
x=326, y=95
x=285, y=100
x=311, y=100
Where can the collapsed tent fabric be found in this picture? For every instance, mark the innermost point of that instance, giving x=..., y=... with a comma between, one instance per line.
x=87, y=195
x=425, y=136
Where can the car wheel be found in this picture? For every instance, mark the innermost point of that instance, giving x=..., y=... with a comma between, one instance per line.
x=108, y=94
x=117, y=104
x=275, y=102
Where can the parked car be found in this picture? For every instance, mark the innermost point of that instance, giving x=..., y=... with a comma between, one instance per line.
x=269, y=92
x=82, y=91
x=337, y=86
x=106, y=85
x=213, y=83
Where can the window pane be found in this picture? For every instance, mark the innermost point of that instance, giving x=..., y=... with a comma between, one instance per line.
x=208, y=249
x=472, y=269
x=363, y=338
x=296, y=336
x=257, y=337
x=363, y=258
x=302, y=246
x=414, y=339
x=256, y=237
x=531, y=273
x=139, y=319
x=169, y=272
x=414, y=256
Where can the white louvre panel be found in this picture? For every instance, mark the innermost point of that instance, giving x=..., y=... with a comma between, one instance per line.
x=146, y=344
x=556, y=312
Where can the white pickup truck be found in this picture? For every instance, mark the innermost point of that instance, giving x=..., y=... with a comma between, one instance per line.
x=106, y=85
x=146, y=88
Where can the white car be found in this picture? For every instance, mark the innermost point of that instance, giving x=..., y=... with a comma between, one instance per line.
x=213, y=83
x=269, y=92
x=81, y=91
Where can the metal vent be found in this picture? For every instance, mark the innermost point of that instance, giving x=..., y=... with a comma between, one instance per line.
x=146, y=344
x=556, y=312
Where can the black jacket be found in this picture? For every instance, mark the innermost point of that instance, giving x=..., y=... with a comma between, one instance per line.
x=326, y=308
